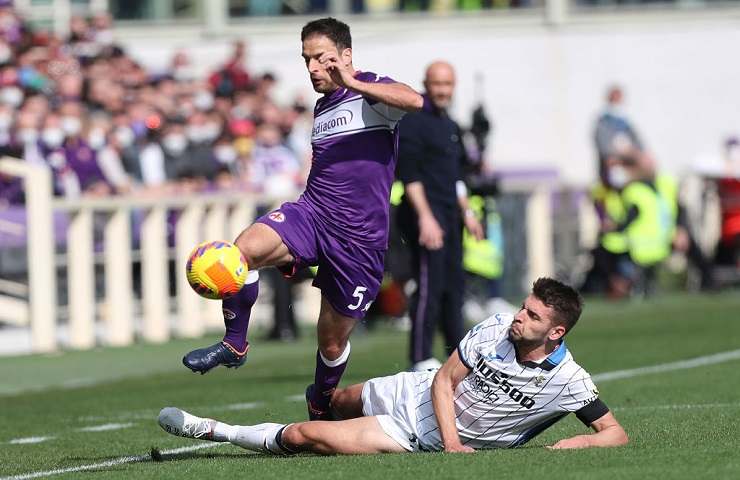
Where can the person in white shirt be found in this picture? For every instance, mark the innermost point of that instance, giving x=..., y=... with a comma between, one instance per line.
x=510, y=378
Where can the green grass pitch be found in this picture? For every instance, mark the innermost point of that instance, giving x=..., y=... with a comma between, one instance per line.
x=100, y=406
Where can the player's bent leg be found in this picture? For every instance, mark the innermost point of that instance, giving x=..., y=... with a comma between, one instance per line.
x=346, y=402
x=356, y=436
x=261, y=246
x=333, y=332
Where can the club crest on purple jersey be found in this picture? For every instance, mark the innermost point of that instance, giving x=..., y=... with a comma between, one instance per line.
x=278, y=217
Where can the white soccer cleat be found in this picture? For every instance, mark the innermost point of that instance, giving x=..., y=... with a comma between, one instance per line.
x=182, y=424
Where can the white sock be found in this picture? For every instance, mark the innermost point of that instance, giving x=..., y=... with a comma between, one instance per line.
x=342, y=358
x=258, y=438
x=222, y=432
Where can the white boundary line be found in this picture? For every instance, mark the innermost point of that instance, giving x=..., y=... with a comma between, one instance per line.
x=106, y=427
x=29, y=440
x=601, y=377
x=110, y=463
x=668, y=367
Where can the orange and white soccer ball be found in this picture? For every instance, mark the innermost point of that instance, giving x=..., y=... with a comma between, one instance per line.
x=216, y=269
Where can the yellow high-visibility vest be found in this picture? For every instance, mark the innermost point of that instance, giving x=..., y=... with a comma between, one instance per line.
x=649, y=233
x=484, y=257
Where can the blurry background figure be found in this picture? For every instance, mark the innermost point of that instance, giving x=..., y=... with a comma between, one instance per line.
x=728, y=187
x=613, y=131
x=482, y=258
x=724, y=180
x=276, y=170
x=613, y=272
x=638, y=229
x=431, y=216
x=233, y=75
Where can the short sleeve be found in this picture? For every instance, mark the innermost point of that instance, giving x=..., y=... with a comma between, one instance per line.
x=484, y=333
x=390, y=113
x=579, y=392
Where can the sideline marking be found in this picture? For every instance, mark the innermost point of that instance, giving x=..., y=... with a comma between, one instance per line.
x=106, y=427
x=110, y=463
x=27, y=440
x=243, y=406
x=668, y=367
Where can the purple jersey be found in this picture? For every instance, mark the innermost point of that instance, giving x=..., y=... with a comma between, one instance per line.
x=355, y=147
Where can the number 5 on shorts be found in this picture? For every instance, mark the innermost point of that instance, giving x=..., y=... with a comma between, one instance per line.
x=360, y=296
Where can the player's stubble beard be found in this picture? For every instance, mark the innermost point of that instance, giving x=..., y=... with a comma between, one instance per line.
x=325, y=88
x=521, y=342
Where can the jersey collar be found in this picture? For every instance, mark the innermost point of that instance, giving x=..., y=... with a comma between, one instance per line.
x=552, y=360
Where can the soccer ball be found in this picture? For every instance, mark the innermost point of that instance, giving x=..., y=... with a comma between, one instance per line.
x=216, y=269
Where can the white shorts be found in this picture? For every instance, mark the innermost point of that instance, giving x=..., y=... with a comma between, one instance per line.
x=403, y=407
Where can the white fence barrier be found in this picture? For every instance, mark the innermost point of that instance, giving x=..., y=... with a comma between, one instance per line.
x=42, y=304
x=200, y=217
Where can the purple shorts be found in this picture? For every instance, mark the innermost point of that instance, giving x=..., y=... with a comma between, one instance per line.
x=349, y=275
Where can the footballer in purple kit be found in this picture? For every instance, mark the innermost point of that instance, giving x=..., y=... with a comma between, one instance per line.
x=340, y=222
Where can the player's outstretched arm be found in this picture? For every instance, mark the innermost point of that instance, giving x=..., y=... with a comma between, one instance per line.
x=609, y=433
x=445, y=381
x=397, y=95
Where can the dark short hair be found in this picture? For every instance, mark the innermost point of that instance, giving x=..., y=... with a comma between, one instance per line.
x=331, y=28
x=563, y=299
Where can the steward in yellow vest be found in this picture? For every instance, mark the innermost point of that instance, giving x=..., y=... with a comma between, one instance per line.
x=650, y=222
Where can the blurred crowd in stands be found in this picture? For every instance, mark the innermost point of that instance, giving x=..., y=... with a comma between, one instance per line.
x=250, y=8
x=320, y=7
x=106, y=125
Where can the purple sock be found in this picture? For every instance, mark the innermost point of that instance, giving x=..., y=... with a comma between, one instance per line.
x=236, y=310
x=328, y=374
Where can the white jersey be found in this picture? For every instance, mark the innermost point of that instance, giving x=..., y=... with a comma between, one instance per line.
x=500, y=404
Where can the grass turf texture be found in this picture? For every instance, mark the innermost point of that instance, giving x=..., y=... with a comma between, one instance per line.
x=682, y=424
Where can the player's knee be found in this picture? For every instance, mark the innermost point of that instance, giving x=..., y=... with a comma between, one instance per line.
x=297, y=436
x=255, y=252
x=332, y=350
x=246, y=247
x=292, y=437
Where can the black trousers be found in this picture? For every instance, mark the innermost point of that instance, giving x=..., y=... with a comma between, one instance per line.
x=440, y=282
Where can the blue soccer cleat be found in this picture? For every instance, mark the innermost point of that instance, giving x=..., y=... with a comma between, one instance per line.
x=204, y=359
x=315, y=412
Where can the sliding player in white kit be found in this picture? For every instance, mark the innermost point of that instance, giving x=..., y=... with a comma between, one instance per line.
x=510, y=378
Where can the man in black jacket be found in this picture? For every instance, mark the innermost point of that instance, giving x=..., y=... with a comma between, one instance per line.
x=431, y=215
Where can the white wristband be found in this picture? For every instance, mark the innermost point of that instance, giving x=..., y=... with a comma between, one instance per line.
x=461, y=189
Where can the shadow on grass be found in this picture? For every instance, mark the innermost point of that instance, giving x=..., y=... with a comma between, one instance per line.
x=174, y=457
